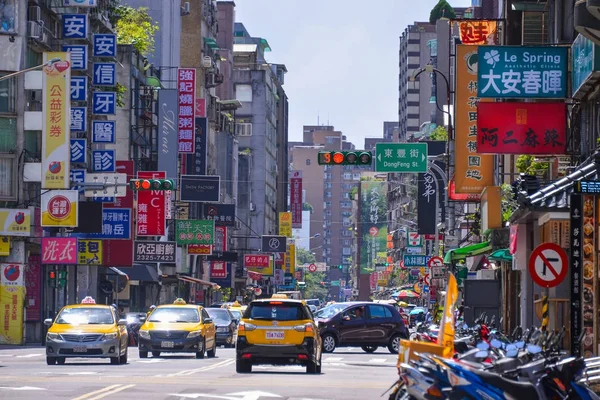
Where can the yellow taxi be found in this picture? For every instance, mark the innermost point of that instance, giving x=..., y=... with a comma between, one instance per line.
x=178, y=328
x=87, y=330
x=236, y=309
x=278, y=332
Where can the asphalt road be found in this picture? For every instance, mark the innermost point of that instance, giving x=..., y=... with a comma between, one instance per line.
x=347, y=374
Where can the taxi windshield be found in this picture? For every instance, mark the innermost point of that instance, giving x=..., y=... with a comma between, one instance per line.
x=276, y=311
x=85, y=316
x=174, y=314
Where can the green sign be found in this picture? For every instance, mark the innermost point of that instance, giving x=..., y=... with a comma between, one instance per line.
x=335, y=283
x=195, y=232
x=585, y=61
x=522, y=72
x=401, y=157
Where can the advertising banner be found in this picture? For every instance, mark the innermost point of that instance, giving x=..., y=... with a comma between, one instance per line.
x=168, y=131
x=200, y=188
x=585, y=62
x=116, y=224
x=473, y=171
x=285, y=224
x=33, y=284
x=522, y=72
x=154, y=252
x=59, y=208
x=59, y=250
x=195, y=232
x=186, y=88
x=196, y=163
x=220, y=239
x=587, y=272
x=296, y=198
x=373, y=224
x=256, y=260
x=117, y=253
x=89, y=252
x=15, y=222
x=218, y=269
x=222, y=214
x=522, y=128
x=290, y=258
x=576, y=262
x=56, y=122
x=151, y=207
x=428, y=195
x=478, y=32
x=12, y=296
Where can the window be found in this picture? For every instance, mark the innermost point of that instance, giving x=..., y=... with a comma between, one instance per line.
x=276, y=311
x=8, y=16
x=243, y=129
x=243, y=93
x=377, y=312
x=308, y=161
x=8, y=135
x=7, y=94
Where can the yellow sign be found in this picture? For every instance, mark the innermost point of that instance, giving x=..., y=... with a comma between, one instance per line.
x=289, y=260
x=285, y=224
x=59, y=208
x=89, y=252
x=4, y=246
x=15, y=222
x=446, y=334
x=12, y=295
x=56, y=134
x=473, y=171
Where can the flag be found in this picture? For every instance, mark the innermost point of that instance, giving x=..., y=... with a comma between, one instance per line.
x=446, y=334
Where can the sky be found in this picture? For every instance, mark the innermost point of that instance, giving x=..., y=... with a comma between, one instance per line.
x=341, y=57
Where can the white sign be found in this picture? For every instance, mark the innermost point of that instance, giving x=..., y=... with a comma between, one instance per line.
x=435, y=262
x=321, y=267
x=414, y=239
x=115, y=185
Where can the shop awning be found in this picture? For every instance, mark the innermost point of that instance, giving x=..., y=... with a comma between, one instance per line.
x=189, y=279
x=117, y=271
x=501, y=255
x=467, y=251
x=141, y=272
x=210, y=42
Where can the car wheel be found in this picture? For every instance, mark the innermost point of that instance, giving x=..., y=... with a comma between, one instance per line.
x=156, y=354
x=311, y=367
x=115, y=360
x=394, y=345
x=329, y=343
x=61, y=360
x=143, y=354
x=200, y=353
x=213, y=352
x=123, y=358
x=243, y=366
x=369, y=349
x=50, y=360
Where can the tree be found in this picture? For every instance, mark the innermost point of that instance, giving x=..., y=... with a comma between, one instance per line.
x=314, y=289
x=304, y=256
x=307, y=207
x=440, y=133
x=135, y=27
x=441, y=10
x=527, y=165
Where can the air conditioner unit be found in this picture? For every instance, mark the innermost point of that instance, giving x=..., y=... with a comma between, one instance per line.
x=252, y=207
x=34, y=30
x=35, y=13
x=207, y=62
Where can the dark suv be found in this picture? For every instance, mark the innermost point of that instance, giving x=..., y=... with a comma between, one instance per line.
x=365, y=324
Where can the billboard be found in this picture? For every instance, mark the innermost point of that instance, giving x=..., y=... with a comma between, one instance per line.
x=373, y=224
x=186, y=86
x=151, y=207
x=167, y=131
x=296, y=198
x=12, y=296
x=15, y=222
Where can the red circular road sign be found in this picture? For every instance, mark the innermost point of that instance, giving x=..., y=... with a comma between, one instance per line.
x=312, y=268
x=59, y=207
x=373, y=231
x=435, y=261
x=548, y=265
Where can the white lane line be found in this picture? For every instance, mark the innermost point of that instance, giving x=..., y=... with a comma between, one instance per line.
x=7, y=355
x=21, y=388
x=378, y=360
x=203, y=369
x=30, y=355
x=151, y=361
x=103, y=390
x=116, y=390
x=333, y=359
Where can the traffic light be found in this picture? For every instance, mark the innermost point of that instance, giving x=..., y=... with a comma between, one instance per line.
x=356, y=157
x=340, y=266
x=52, y=282
x=152, y=184
x=62, y=278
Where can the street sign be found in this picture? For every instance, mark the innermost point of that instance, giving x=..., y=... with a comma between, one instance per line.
x=416, y=261
x=401, y=157
x=435, y=262
x=373, y=231
x=426, y=280
x=274, y=244
x=548, y=265
x=312, y=268
x=110, y=184
x=414, y=239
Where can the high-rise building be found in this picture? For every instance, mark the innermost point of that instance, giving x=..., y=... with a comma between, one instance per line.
x=391, y=130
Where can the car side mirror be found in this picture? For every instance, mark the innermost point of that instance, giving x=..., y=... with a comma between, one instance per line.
x=208, y=320
x=48, y=321
x=142, y=319
x=122, y=322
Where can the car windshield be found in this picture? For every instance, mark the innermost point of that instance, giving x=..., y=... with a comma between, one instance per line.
x=331, y=310
x=174, y=314
x=276, y=311
x=236, y=314
x=219, y=315
x=85, y=316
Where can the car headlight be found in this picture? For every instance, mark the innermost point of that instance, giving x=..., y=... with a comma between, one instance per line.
x=144, y=334
x=194, y=334
x=110, y=336
x=53, y=336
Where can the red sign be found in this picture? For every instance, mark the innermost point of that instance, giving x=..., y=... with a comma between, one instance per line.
x=461, y=196
x=218, y=269
x=256, y=260
x=200, y=249
x=186, y=87
x=124, y=167
x=150, y=211
x=200, y=109
x=58, y=250
x=548, y=265
x=117, y=253
x=312, y=268
x=59, y=207
x=521, y=128
x=435, y=261
x=33, y=283
x=221, y=237
x=429, y=236
x=296, y=198
x=254, y=276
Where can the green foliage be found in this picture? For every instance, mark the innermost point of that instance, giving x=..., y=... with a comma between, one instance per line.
x=135, y=27
x=508, y=203
x=527, y=165
x=314, y=289
x=226, y=292
x=304, y=256
x=441, y=10
x=353, y=192
x=121, y=90
x=307, y=207
x=440, y=133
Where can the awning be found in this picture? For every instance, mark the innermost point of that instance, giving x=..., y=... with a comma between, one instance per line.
x=117, y=271
x=210, y=42
x=467, y=251
x=196, y=280
x=141, y=272
x=501, y=255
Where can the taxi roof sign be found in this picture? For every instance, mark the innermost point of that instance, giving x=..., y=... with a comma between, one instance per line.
x=179, y=301
x=88, y=300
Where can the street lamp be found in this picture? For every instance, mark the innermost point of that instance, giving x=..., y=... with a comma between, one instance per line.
x=429, y=69
x=49, y=62
x=437, y=168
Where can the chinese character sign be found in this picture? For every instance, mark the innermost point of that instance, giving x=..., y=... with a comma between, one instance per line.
x=104, y=103
x=151, y=207
x=285, y=224
x=33, y=283
x=103, y=161
x=78, y=176
x=256, y=260
x=163, y=252
x=75, y=26
x=79, y=88
x=105, y=45
x=296, y=198
x=59, y=208
x=78, y=150
x=522, y=128
x=116, y=224
x=79, y=56
x=104, y=74
x=55, y=127
x=12, y=295
x=576, y=263
x=195, y=232
x=478, y=32
x=186, y=87
x=89, y=252
x=373, y=223
x=218, y=269
x=57, y=250
x=473, y=171
x=78, y=119
x=103, y=131
x=522, y=72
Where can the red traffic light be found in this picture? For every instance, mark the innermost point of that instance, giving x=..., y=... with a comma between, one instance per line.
x=338, y=158
x=52, y=275
x=145, y=184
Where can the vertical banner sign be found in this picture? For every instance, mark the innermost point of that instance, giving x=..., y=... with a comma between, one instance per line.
x=167, y=131
x=12, y=296
x=588, y=234
x=186, y=88
x=296, y=199
x=373, y=224
x=427, y=193
x=196, y=163
x=33, y=283
x=285, y=224
x=151, y=207
x=575, y=270
x=56, y=124
x=473, y=171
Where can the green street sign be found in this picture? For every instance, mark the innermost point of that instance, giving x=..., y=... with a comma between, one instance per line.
x=195, y=232
x=401, y=157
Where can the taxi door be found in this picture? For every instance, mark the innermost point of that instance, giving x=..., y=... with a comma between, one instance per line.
x=210, y=331
x=123, y=335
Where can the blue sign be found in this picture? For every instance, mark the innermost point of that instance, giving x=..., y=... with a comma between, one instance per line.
x=103, y=161
x=78, y=150
x=416, y=261
x=80, y=3
x=78, y=119
x=104, y=103
x=105, y=74
x=585, y=60
x=116, y=224
x=104, y=131
x=103, y=199
x=78, y=176
x=79, y=56
x=75, y=26
x=105, y=45
x=79, y=88
x=522, y=72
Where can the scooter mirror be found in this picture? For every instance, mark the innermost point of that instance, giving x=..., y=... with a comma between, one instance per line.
x=495, y=343
x=483, y=346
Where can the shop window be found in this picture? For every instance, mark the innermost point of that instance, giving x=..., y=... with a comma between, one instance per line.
x=8, y=16
x=7, y=92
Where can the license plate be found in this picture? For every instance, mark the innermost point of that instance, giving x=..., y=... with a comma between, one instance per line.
x=80, y=349
x=275, y=335
x=167, y=344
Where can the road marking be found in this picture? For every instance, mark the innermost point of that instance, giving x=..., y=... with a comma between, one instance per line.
x=110, y=392
x=7, y=355
x=333, y=359
x=106, y=389
x=21, y=388
x=203, y=369
x=30, y=355
x=378, y=360
x=151, y=361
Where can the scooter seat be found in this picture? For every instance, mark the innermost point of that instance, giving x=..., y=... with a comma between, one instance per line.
x=518, y=390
